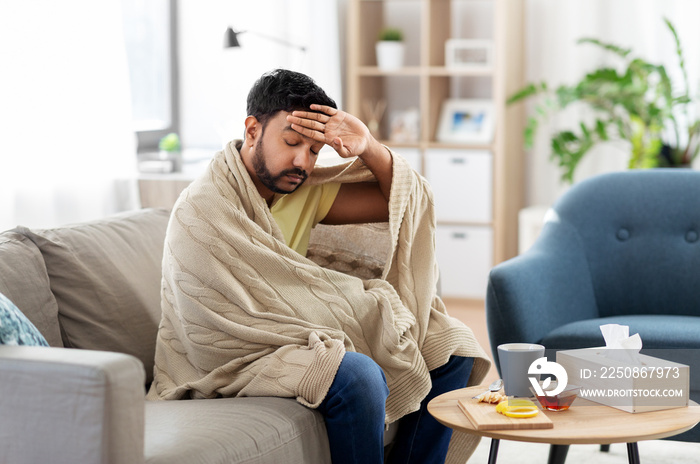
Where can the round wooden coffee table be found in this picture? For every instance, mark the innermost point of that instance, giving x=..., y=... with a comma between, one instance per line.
x=585, y=423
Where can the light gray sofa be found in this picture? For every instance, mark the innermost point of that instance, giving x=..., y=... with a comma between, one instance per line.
x=96, y=286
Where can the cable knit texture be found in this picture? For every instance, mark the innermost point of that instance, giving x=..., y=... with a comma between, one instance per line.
x=245, y=315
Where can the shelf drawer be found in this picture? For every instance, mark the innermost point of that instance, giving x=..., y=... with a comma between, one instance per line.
x=462, y=184
x=413, y=156
x=465, y=257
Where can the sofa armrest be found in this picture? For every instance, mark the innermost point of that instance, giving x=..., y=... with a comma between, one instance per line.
x=544, y=288
x=67, y=406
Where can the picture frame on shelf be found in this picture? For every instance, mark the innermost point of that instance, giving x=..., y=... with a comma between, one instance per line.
x=466, y=121
x=468, y=53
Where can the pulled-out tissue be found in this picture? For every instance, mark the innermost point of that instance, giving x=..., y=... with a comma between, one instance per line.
x=620, y=345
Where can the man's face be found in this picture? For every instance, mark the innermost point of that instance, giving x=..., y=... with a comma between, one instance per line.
x=283, y=158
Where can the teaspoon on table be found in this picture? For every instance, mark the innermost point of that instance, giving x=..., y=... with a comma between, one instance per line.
x=495, y=386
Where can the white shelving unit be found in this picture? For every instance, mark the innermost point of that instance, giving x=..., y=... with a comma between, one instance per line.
x=478, y=187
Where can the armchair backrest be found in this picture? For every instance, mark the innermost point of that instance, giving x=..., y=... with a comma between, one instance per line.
x=640, y=232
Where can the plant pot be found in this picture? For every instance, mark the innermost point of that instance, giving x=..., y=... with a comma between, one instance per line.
x=389, y=55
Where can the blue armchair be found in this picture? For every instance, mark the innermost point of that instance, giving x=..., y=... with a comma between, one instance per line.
x=617, y=248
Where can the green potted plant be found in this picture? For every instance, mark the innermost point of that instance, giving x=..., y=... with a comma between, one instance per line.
x=638, y=104
x=169, y=147
x=390, y=49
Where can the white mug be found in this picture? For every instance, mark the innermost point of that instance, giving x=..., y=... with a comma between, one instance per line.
x=515, y=359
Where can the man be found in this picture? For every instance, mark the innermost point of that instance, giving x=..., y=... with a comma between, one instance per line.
x=245, y=313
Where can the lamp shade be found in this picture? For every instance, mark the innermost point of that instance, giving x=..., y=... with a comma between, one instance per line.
x=231, y=38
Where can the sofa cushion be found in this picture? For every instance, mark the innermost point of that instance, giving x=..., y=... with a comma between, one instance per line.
x=24, y=280
x=106, y=275
x=240, y=430
x=15, y=328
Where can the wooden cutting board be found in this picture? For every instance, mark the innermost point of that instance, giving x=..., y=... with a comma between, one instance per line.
x=484, y=417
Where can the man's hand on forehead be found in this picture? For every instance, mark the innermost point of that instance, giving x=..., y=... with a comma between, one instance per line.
x=310, y=124
x=360, y=202
x=344, y=132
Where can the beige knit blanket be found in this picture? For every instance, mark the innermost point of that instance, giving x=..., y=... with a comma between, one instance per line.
x=245, y=315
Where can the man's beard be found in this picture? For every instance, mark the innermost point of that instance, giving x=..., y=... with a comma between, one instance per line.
x=265, y=176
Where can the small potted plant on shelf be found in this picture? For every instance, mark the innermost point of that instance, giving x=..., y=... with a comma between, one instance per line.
x=390, y=49
x=637, y=105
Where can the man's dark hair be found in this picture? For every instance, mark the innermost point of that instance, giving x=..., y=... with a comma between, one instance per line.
x=284, y=90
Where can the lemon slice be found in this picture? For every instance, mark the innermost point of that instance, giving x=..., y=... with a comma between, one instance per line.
x=518, y=408
x=521, y=413
x=502, y=406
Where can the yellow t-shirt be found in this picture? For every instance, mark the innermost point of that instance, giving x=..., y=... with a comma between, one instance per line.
x=298, y=212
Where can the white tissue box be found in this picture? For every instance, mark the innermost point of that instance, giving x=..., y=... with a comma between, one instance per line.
x=651, y=385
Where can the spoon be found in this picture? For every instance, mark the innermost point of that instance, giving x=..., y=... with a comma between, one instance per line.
x=495, y=386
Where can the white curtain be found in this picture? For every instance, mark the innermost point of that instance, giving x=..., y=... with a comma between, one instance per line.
x=67, y=149
x=552, y=29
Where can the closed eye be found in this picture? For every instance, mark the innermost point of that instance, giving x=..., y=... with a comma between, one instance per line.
x=316, y=148
x=295, y=143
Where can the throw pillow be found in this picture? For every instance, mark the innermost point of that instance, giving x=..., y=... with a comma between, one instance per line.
x=25, y=281
x=15, y=328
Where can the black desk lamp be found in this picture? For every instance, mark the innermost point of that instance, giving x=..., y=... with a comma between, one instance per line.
x=231, y=39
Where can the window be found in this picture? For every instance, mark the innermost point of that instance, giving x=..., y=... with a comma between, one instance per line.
x=150, y=31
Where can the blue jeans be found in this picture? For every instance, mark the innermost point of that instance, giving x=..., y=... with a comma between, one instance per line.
x=354, y=411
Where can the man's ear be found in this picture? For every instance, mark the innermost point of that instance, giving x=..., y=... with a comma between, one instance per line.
x=253, y=129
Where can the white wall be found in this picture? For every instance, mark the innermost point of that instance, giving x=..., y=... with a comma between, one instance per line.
x=215, y=82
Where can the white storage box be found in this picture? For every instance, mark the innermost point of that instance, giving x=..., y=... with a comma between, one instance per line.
x=462, y=184
x=465, y=257
x=651, y=385
x=413, y=156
